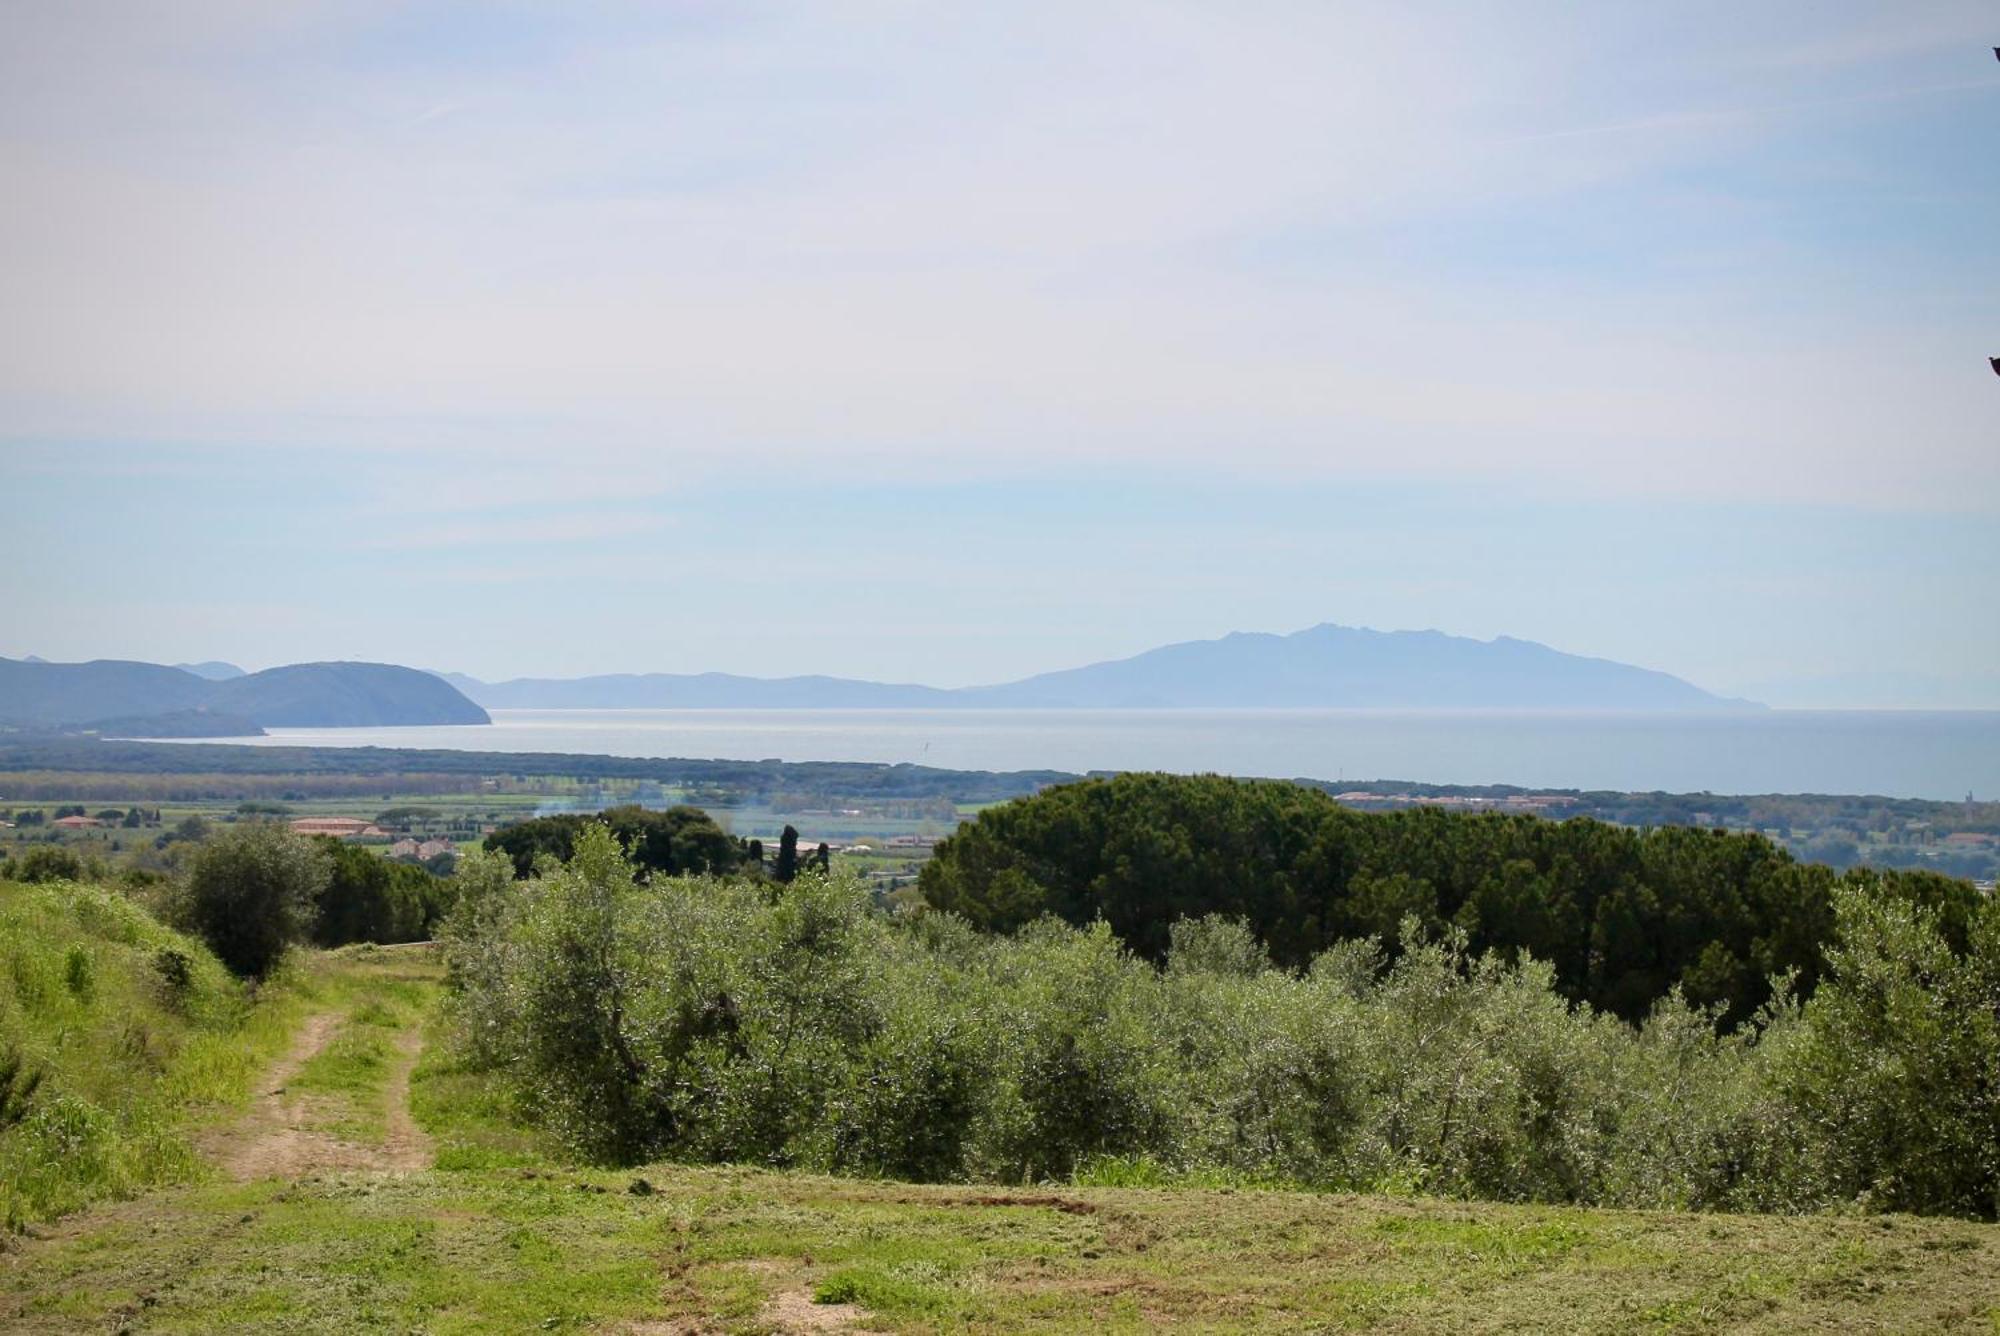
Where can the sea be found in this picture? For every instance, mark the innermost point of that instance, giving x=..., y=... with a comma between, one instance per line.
x=1939, y=754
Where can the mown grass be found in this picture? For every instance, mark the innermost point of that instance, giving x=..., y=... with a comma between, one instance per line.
x=467, y=1113
x=139, y=1035
x=532, y=1249
x=347, y=1078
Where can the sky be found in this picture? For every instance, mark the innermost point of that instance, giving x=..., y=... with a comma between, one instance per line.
x=952, y=343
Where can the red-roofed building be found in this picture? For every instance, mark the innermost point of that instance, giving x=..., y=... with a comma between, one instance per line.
x=340, y=827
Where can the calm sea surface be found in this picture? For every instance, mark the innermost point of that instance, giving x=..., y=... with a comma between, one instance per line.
x=1907, y=753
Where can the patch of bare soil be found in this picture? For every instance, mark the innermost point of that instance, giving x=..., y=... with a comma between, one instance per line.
x=1067, y=1205
x=281, y=1136
x=406, y=1147
x=240, y=1146
x=795, y=1311
x=789, y=1310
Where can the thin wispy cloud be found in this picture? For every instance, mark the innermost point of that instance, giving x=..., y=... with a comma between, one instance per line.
x=512, y=531
x=433, y=278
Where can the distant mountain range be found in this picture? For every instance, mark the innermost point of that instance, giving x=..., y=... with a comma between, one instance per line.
x=1324, y=666
x=118, y=697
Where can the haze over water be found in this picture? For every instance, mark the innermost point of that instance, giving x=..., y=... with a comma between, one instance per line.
x=1908, y=754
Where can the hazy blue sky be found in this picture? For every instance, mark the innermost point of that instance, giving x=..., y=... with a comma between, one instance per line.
x=952, y=343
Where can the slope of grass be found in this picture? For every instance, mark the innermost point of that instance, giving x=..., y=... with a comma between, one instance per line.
x=135, y=1033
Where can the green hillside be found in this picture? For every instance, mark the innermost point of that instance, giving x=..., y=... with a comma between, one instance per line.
x=119, y=1038
x=146, y=699
x=72, y=693
x=344, y=695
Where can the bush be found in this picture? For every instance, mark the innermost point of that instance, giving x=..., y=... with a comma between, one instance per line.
x=18, y=1082
x=789, y=1024
x=175, y=970
x=1897, y=1068
x=368, y=898
x=251, y=892
x=79, y=975
x=48, y=862
x=679, y=840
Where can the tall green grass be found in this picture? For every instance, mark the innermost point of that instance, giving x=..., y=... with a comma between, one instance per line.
x=139, y=1036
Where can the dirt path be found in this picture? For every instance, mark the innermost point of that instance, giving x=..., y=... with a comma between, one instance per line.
x=281, y=1136
x=406, y=1148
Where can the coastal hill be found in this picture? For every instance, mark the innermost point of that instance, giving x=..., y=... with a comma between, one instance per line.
x=149, y=699
x=1324, y=666
x=215, y=670
x=698, y=691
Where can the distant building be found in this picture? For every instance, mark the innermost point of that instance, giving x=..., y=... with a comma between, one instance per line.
x=329, y=825
x=76, y=822
x=340, y=827
x=404, y=849
x=430, y=849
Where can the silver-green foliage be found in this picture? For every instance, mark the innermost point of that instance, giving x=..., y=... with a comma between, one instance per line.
x=794, y=1025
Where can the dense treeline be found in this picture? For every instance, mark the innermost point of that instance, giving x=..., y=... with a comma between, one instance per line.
x=254, y=890
x=369, y=898
x=1782, y=812
x=680, y=839
x=383, y=769
x=1622, y=916
x=181, y=786
x=792, y=1024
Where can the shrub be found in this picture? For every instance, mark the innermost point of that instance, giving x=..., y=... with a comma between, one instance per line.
x=48, y=862
x=251, y=892
x=18, y=1082
x=1897, y=1065
x=789, y=1024
x=175, y=970
x=681, y=839
x=368, y=898
x=79, y=976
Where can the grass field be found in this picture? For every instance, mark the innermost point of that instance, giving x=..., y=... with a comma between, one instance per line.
x=327, y=1206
